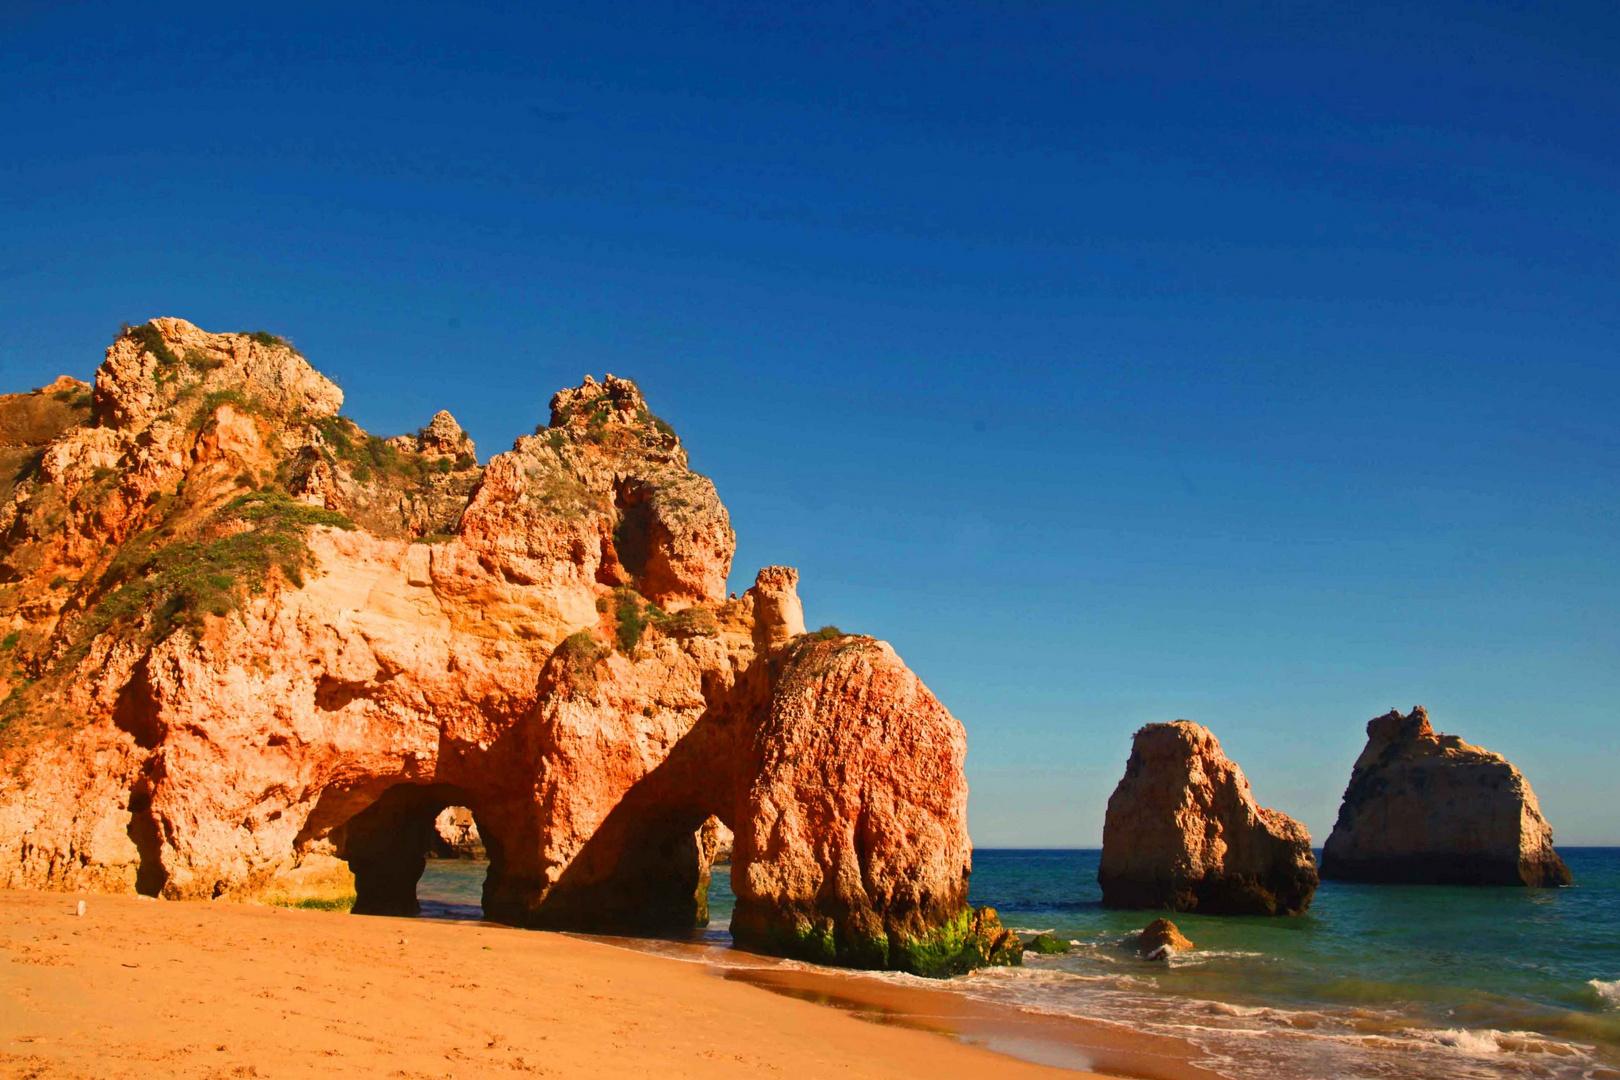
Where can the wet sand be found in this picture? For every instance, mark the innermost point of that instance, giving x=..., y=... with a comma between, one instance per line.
x=141, y=988
x=1053, y=1040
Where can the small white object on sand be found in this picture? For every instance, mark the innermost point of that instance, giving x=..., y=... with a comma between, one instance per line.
x=80, y=912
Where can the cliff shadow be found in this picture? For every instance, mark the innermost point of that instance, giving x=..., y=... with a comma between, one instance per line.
x=386, y=844
x=150, y=875
x=644, y=870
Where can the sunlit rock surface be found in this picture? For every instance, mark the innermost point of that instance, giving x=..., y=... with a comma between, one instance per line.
x=1184, y=833
x=253, y=651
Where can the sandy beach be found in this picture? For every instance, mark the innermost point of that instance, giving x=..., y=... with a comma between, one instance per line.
x=195, y=989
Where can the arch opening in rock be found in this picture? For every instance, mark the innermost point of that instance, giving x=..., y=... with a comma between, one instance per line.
x=387, y=844
x=143, y=829
x=639, y=874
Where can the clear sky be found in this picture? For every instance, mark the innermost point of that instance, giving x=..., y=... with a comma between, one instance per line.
x=1116, y=363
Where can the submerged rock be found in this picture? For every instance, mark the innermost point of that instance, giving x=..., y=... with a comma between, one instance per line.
x=1160, y=940
x=1184, y=833
x=1047, y=944
x=253, y=650
x=1425, y=808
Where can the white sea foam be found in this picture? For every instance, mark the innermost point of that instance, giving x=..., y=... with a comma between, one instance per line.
x=1199, y=957
x=1469, y=1042
x=1258, y=1042
x=1607, y=992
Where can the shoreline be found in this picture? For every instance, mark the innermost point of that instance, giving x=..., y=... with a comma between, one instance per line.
x=137, y=987
x=888, y=999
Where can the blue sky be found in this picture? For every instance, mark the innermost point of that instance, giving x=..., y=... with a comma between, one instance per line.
x=1117, y=363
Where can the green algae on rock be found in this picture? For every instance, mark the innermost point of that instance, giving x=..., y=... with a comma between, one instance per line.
x=1047, y=944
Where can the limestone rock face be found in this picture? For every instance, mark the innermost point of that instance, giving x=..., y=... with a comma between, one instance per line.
x=852, y=834
x=1184, y=833
x=778, y=614
x=253, y=651
x=715, y=842
x=1426, y=808
x=443, y=436
x=147, y=372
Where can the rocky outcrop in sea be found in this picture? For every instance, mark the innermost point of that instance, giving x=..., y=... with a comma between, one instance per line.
x=251, y=649
x=455, y=836
x=1429, y=809
x=1184, y=833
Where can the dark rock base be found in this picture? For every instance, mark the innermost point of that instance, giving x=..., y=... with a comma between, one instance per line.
x=1447, y=868
x=1277, y=894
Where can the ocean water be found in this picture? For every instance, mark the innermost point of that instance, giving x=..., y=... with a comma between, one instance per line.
x=1375, y=981
x=1384, y=982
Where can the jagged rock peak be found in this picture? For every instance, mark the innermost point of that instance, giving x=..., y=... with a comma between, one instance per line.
x=152, y=368
x=613, y=401
x=778, y=613
x=1412, y=735
x=1184, y=832
x=1423, y=807
x=255, y=651
x=444, y=436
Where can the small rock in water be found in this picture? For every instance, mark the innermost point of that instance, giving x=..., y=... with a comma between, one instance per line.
x=1046, y=944
x=1160, y=940
x=80, y=911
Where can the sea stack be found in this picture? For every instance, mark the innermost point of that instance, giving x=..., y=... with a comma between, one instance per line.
x=252, y=651
x=1183, y=833
x=1429, y=809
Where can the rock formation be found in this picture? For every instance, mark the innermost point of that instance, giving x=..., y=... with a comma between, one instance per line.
x=715, y=841
x=1048, y=944
x=455, y=835
x=1184, y=833
x=252, y=650
x=1160, y=940
x=1429, y=809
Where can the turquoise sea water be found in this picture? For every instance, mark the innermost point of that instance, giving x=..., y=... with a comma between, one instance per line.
x=1376, y=981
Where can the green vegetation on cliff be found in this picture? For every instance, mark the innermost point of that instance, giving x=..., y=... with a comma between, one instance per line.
x=151, y=339
x=180, y=584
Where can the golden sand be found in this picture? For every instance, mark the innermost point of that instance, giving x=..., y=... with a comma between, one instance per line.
x=143, y=988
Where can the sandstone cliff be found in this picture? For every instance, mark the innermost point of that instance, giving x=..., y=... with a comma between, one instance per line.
x=1184, y=833
x=251, y=650
x=1426, y=808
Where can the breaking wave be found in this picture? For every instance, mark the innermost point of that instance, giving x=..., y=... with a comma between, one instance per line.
x=1608, y=992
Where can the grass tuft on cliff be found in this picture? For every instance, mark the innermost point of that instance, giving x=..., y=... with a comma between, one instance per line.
x=631, y=617
x=634, y=614
x=365, y=454
x=214, y=399
x=266, y=338
x=151, y=339
x=180, y=584
x=576, y=659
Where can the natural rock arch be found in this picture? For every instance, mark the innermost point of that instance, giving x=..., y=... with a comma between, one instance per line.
x=253, y=640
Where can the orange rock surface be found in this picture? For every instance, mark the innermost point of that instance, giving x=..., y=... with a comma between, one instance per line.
x=254, y=650
x=1184, y=833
